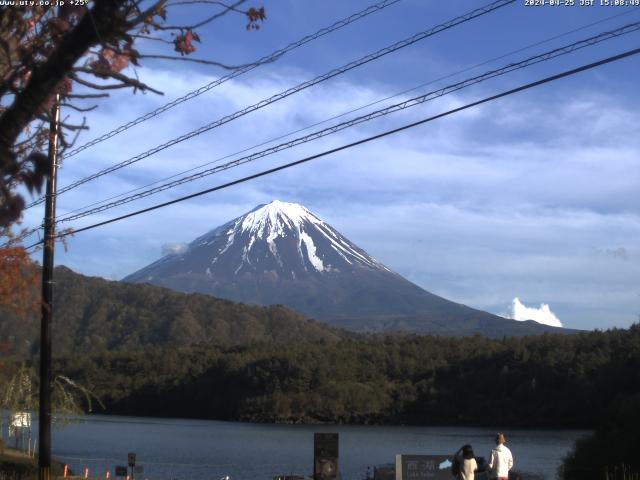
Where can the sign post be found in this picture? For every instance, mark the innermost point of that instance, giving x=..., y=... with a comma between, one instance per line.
x=325, y=456
x=132, y=463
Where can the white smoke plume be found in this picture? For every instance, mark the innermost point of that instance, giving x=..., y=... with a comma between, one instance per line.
x=174, y=248
x=543, y=315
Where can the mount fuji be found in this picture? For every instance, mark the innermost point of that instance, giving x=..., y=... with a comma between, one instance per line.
x=281, y=253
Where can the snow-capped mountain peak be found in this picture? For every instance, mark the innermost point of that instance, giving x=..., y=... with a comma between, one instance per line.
x=273, y=219
x=266, y=237
x=281, y=253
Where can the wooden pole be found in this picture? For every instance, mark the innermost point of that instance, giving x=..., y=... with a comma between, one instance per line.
x=44, y=421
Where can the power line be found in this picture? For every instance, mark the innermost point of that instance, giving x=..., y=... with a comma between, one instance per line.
x=263, y=103
x=370, y=116
x=236, y=73
x=219, y=81
x=362, y=107
x=521, y=88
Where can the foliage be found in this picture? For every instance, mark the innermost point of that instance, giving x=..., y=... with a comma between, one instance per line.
x=18, y=278
x=544, y=381
x=68, y=398
x=80, y=53
x=16, y=466
x=152, y=351
x=611, y=453
x=93, y=314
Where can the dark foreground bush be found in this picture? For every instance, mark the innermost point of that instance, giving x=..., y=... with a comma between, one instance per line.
x=613, y=451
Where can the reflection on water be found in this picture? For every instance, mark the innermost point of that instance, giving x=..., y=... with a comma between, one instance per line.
x=200, y=449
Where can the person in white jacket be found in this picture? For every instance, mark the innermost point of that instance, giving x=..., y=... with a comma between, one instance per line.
x=501, y=459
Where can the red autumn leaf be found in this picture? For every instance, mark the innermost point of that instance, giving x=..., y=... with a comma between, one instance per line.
x=119, y=62
x=254, y=15
x=111, y=61
x=184, y=42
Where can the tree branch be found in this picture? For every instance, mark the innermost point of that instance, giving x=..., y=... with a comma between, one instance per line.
x=96, y=86
x=87, y=95
x=148, y=13
x=79, y=109
x=228, y=8
x=196, y=60
x=47, y=76
x=128, y=81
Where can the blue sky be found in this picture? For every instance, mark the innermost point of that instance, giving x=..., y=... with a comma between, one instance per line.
x=534, y=196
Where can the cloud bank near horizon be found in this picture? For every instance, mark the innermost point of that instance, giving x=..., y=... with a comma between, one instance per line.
x=543, y=314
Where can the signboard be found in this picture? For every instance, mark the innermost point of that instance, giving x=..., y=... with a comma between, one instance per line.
x=121, y=471
x=21, y=420
x=423, y=467
x=325, y=456
x=132, y=459
x=385, y=472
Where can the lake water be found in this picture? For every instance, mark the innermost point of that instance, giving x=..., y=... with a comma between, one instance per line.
x=200, y=449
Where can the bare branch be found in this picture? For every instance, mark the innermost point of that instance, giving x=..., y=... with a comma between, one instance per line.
x=227, y=9
x=87, y=95
x=96, y=86
x=48, y=75
x=27, y=141
x=155, y=39
x=79, y=109
x=149, y=12
x=196, y=60
x=68, y=126
x=127, y=81
x=205, y=2
x=66, y=144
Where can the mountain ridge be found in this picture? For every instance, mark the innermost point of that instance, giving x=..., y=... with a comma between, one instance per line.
x=92, y=314
x=281, y=253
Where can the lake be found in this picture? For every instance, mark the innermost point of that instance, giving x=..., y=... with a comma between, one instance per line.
x=202, y=449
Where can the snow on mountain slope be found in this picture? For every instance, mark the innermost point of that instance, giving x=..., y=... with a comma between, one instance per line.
x=281, y=238
x=281, y=253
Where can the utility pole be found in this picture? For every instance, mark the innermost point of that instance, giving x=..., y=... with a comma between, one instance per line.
x=44, y=419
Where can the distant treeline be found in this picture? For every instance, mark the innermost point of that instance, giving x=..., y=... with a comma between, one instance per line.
x=548, y=380
x=589, y=380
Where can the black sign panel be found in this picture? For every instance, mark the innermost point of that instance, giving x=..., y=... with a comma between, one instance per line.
x=423, y=467
x=121, y=471
x=325, y=456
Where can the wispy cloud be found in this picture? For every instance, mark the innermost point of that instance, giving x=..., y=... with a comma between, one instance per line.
x=478, y=208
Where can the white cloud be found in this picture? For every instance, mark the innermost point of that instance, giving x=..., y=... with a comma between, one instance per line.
x=476, y=208
x=174, y=248
x=543, y=315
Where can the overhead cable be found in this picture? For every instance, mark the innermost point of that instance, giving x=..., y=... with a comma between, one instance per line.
x=236, y=73
x=338, y=71
x=521, y=88
x=345, y=113
x=557, y=52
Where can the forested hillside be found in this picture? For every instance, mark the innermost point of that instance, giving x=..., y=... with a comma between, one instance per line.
x=549, y=380
x=96, y=315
